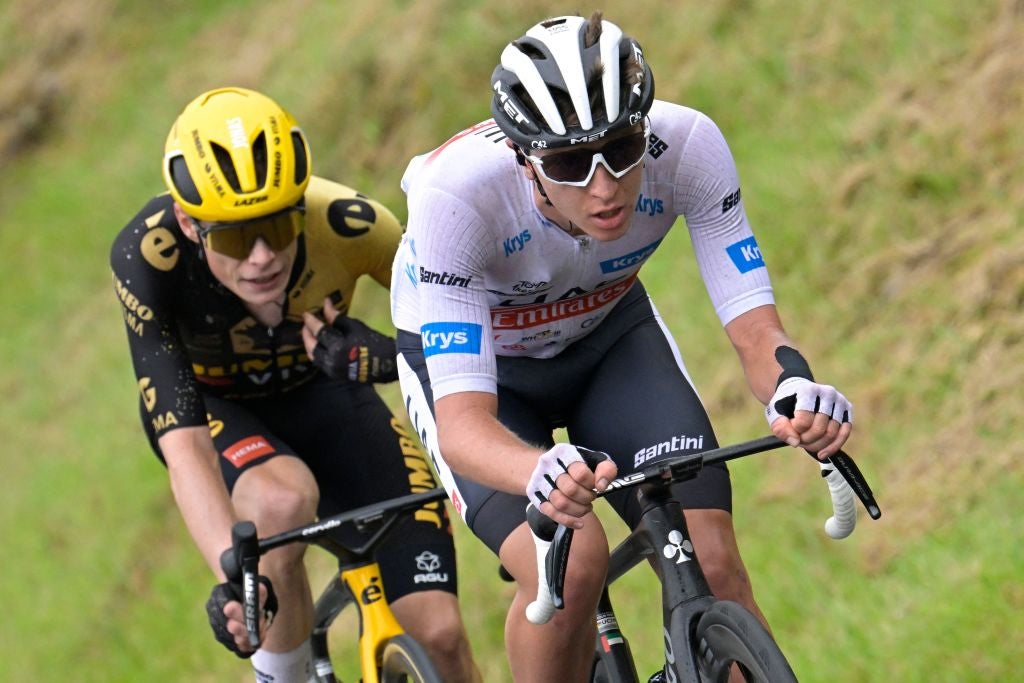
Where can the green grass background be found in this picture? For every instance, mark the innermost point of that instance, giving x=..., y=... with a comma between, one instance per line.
x=880, y=146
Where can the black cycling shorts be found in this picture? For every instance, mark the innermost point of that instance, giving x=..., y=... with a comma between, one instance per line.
x=358, y=453
x=622, y=390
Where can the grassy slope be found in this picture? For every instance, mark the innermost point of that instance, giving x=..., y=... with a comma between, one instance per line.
x=880, y=149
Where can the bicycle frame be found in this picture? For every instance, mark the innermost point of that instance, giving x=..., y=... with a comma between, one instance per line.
x=685, y=594
x=358, y=584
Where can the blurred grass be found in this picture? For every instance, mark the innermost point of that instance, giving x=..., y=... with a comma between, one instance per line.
x=880, y=149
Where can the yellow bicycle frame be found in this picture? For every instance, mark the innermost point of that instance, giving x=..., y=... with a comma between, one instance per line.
x=376, y=622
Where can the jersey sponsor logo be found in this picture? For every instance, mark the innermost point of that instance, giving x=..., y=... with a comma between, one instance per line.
x=731, y=200
x=516, y=243
x=159, y=246
x=429, y=563
x=450, y=337
x=523, y=288
x=656, y=146
x=649, y=205
x=258, y=371
x=531, y=316
x=165, y=421
x=216, y=426
x=629, y=260
x=542, y=335
x=351, y=217
x=134, y=311
x=446, y=279
x=420, y=477
x=148, y=393
x=676, y=443
x=247, y=450
x=746, y=255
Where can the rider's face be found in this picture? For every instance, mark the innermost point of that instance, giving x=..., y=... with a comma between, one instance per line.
x=603, y=208
x=259, y=278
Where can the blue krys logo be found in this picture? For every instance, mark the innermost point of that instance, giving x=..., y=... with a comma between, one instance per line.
x=746, y=255
x=450, y=338
x=516, y=243
x=649, y=206
x=632, y=259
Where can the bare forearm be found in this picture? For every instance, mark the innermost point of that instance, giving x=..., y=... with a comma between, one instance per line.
x=756, y=335
x=465, y=422
x=199, y=492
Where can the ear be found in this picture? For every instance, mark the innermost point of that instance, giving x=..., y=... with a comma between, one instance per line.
x=185, y=222
x=521, y=159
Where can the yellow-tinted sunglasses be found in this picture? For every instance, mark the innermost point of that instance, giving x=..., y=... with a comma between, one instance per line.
x=236, y=239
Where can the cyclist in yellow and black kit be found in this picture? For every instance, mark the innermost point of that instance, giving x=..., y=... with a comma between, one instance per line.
x=257, y=387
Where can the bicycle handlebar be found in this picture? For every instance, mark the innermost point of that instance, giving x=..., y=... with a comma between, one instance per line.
x=841, y=474
x=242, y=558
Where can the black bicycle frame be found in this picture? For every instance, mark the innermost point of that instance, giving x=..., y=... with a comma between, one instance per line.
x=685, y=593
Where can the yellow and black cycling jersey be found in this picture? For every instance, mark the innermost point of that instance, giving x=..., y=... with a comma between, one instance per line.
x=189, y=335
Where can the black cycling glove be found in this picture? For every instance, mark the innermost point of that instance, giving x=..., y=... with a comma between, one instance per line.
x=349, y=350
x=221, y=595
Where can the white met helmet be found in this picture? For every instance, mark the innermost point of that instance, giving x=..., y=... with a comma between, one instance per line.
x=553, y=64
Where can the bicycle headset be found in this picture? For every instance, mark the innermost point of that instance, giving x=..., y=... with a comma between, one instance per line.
x=557, y=87
x=234, y=154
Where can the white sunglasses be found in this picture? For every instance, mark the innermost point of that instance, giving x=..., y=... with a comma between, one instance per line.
x=576, y=167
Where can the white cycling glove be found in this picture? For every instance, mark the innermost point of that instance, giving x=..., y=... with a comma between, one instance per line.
x=556, y=462
x=797, y=393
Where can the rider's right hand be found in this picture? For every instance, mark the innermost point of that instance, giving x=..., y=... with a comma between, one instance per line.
x=227, y=615
x=562, y=484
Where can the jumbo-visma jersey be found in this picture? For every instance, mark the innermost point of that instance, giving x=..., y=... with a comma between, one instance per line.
x=482, y=273
x=190, y=335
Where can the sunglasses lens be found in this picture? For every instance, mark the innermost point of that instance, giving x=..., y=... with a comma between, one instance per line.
x=237, y=239
x=574, y=166
x=568, y=167
x=625, y=152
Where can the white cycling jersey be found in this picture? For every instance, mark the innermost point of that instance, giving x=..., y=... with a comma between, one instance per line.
x=481, y=272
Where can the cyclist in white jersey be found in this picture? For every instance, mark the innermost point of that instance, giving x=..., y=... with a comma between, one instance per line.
x=519, y=310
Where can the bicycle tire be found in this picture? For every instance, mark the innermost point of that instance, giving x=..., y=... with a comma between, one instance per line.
x=405, y=661
x=728, y=633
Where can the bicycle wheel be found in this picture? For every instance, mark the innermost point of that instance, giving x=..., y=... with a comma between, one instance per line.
x=727, y=633
x=405, y=661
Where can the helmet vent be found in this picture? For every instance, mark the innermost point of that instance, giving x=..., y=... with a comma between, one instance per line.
x=227, y=167
x=183, y=182
x=531, y=51
x=259, y=159
x=301, y=162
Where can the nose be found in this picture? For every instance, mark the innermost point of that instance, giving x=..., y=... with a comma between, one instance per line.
x=603, y=184
x=261, y=252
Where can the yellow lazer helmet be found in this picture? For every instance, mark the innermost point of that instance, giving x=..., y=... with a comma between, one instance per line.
x=233, y=155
